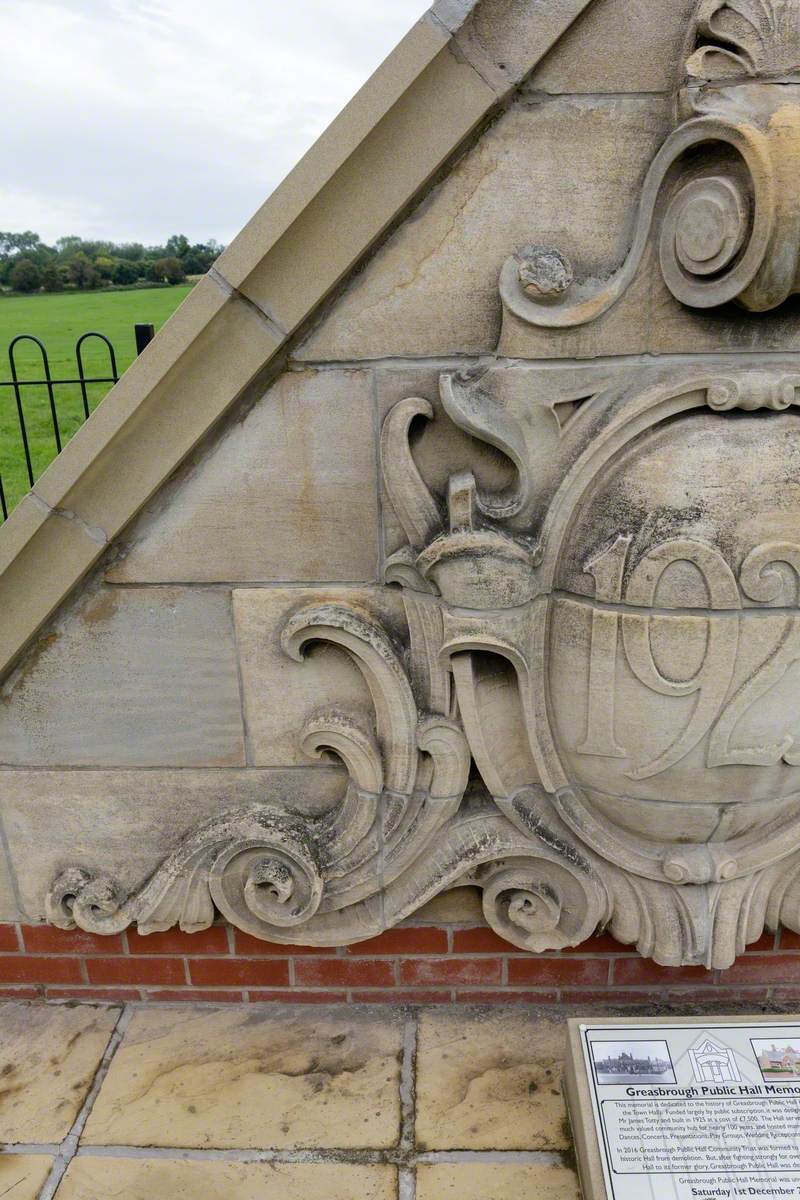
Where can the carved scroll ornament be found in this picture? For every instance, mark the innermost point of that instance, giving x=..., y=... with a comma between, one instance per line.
x=720, y=193
x=615, y=644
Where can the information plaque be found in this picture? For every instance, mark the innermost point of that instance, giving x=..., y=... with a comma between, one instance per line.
x=689, y=1109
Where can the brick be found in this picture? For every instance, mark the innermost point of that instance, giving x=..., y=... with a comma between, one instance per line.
x=175, y=941
x=297, y=997
x=195, y=995
x=238, y=972
x=343, y=972
x=769, y=969
x=24, y=969
x=505, y=996
x=136, y=970
x=245, y=944
x=9, y=941
x=626, y=971
x=400, y=996
x=45, y=939
x=423, y=939
x=453, y=971
x=788, y=994
x=114, y=995
x=558, y=972
x=481, y=941
x=788, y=939
x=613, y=997
x=20, y=993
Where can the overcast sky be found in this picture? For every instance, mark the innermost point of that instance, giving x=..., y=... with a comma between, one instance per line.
x=135, y=119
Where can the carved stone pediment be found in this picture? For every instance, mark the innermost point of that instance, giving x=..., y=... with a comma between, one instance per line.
x=593, y=715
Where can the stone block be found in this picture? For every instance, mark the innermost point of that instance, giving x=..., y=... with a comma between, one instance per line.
x=139, y=677
x=124, y=823
x=199, y=363
x=397, y=156
x=235, y=1080
x=288, y=492
x=432, y=289
x=618, y=46
x=280, y=694
x=506, y=38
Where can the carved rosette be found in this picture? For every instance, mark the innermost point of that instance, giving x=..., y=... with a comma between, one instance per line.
x=719, y=197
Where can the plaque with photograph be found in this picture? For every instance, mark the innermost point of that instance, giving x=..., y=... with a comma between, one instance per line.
x=686, y=1109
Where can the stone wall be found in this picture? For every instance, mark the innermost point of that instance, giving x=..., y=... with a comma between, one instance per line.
x=165, y=693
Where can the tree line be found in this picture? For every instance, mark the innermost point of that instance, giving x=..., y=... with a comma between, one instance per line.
x=27, y=264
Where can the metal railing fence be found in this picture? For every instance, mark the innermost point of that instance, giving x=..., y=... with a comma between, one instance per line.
x=143, y=335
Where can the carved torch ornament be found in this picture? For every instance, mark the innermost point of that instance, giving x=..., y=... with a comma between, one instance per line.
x=720, y=197
x=594, y=713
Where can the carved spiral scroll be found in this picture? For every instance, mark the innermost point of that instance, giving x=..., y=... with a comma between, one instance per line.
x=715, y=236
x=260, y=868
x=542, y=905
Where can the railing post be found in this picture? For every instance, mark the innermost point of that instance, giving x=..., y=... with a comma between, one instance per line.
x=144, y=336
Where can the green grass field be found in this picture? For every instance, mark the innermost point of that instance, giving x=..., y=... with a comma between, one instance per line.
x=58, y=321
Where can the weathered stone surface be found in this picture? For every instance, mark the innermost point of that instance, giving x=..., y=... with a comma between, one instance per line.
x=163, y=1179
x=461, y=906
x=267, y=1078
x=124, y=823
x=9, y=905
x=432, y=289
x=129, y=678
x=501, y=1181
x=618, y=47
x=288, y=492
x=489, y=1081
x=279, y=694
x=50, y=1055
x=22, y=1175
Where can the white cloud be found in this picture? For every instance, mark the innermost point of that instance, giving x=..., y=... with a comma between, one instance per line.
x=134, y=119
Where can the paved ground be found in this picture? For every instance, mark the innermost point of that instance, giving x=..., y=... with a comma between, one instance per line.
x=300, y=1103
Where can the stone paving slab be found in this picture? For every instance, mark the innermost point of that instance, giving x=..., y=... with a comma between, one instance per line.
x=489, y=1081
x=280, y=1102
x=23, y=1175
x=495, y=1181
x=248, y=1078
x=157, y=1179
x=48, y=1058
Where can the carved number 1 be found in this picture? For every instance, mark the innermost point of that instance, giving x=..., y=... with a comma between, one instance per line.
x=607, y=569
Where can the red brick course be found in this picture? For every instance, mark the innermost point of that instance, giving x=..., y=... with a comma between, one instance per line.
x=424, y=964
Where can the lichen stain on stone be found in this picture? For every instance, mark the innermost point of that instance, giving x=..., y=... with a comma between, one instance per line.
x=100, y=610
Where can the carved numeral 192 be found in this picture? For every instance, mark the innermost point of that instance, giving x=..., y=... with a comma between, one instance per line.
x=709, y=685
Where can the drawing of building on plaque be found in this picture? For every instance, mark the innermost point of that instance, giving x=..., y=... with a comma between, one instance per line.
x=777, y=1062
x=713, y=1063
x=617, y=1062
